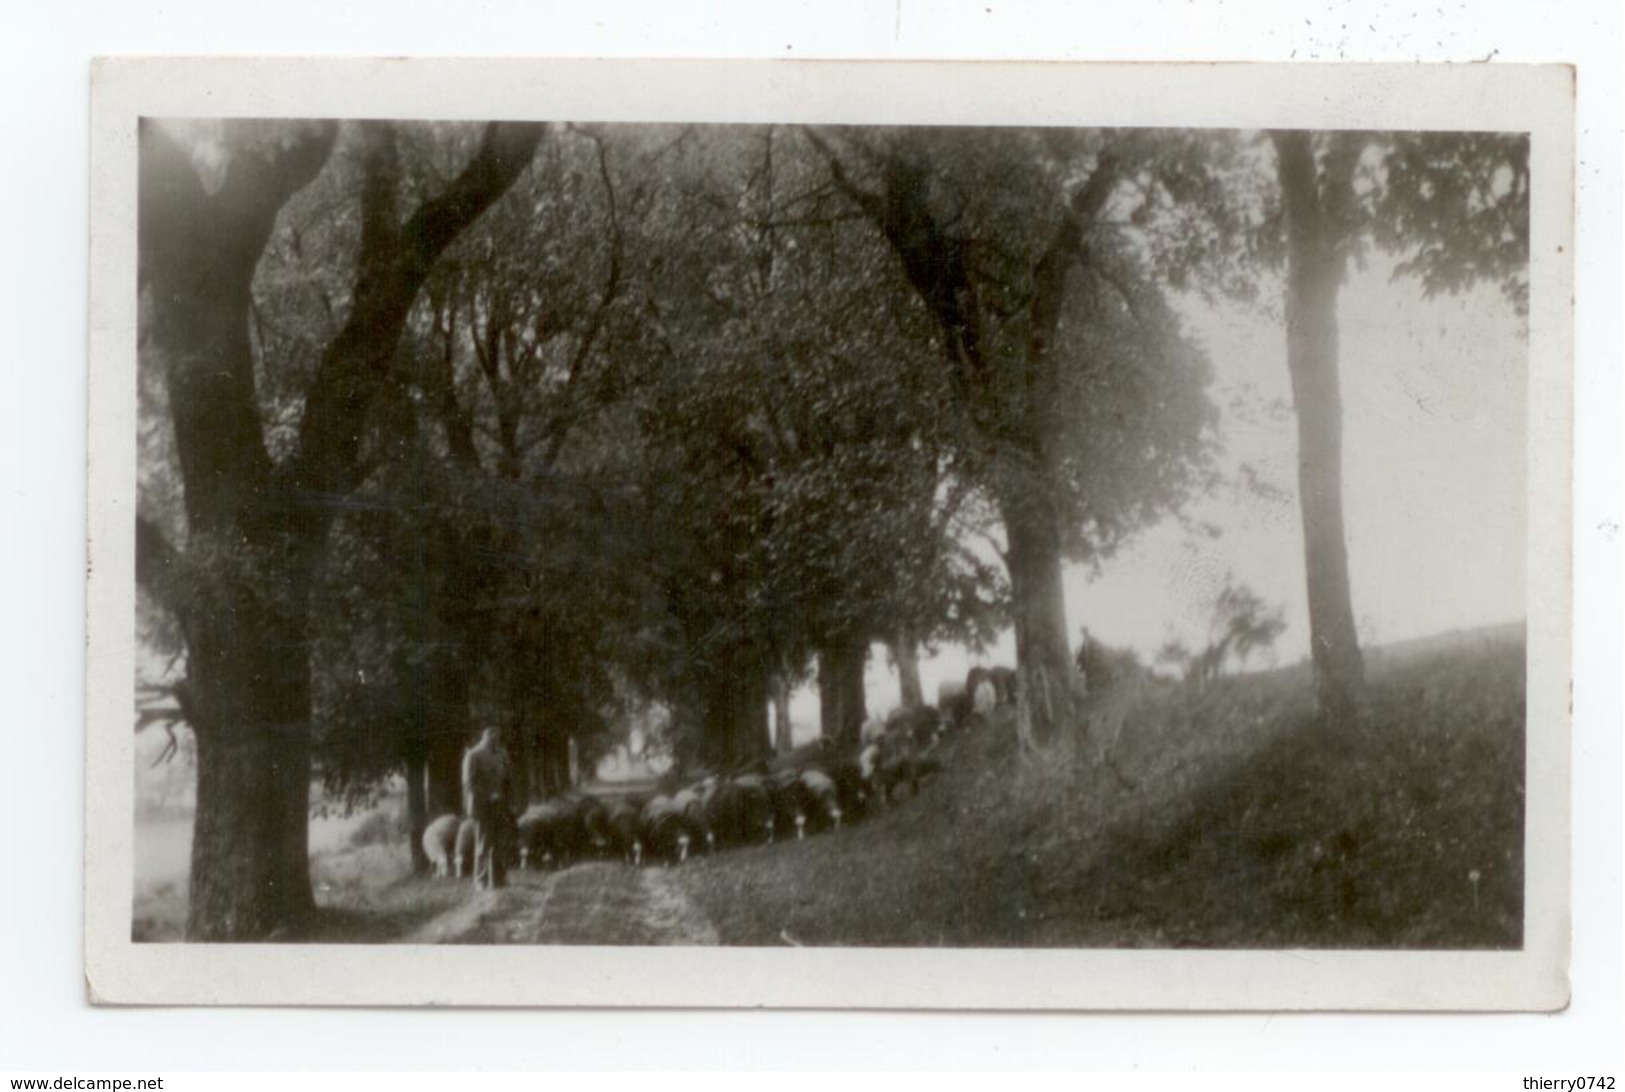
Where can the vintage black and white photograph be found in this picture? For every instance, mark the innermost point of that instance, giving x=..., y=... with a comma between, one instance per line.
x=570, y=532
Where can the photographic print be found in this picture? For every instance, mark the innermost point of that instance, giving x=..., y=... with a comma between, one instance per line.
x=742, y=534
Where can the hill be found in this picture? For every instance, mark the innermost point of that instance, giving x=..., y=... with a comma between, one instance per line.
x=1221, y=818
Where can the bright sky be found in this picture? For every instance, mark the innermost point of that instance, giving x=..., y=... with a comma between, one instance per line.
x=1434, y=397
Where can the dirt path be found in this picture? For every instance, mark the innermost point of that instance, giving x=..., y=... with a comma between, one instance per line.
x=595, y=903
x=676, y=918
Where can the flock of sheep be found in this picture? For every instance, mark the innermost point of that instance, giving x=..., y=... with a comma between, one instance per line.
x=807, y=792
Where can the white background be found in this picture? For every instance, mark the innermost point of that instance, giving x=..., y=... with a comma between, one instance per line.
x=44, y=1022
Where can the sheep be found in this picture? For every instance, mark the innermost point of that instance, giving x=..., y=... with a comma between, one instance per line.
x=986, y=696
x=549, y=834
x=820, y=799
x=593, y=823
x=789, y=809
x=920, y=724
x=756, y=809
x=691, y=803
x=440, y=843
x=667, y=829
x=625, y=830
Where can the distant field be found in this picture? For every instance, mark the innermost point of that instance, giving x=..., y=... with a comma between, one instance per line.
x=1221, y=818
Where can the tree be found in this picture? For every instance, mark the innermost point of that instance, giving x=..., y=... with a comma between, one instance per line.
x=906, y=659
x=1244, y=625
x=1038, y=255
x=256, y=525
x=511, y=367
x=793, y=432
x=1174, y=655
x=1454, y=208
x=1241, y=625
x=476, y=562
x=1318, y=204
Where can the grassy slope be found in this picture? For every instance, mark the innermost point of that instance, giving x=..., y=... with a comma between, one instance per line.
x=1218, y=819
x=366, y=894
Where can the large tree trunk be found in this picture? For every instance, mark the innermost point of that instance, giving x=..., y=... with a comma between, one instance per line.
x=417, y=808
x=414, y=743
x=551, y=702
x=520, y=740
x=444, y=773
x=248, y=673
x=450, y=729
x=783, y=742
x=247, y=796
x=735, y=729
x=546, y=777
x=840, y=690
x=1047, y=694
x=249, y=698
x=905, y=654
x=717, y=728
x=541, y=762
x=243, y=609
x=1314, y=275
x=754, y=740
x=1015, y=412
x=555, y=747
x=581, y=770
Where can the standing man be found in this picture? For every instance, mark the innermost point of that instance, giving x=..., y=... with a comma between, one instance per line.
x=486, y=787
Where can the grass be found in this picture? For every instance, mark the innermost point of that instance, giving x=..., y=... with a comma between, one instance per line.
x=364, y=894
x=1218, y=819
x=1223, y=818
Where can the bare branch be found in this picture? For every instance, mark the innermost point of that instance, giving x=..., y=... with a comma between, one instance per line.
x=1066, y=247
x=612, y=284
x=871, y=204
x=442, y=375
x=505, y=151
x=392, y=268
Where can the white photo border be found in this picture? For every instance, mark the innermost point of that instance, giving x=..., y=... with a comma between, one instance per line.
x=1534, y=99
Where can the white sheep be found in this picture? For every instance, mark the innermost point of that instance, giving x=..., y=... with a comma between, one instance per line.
x=440, y=843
